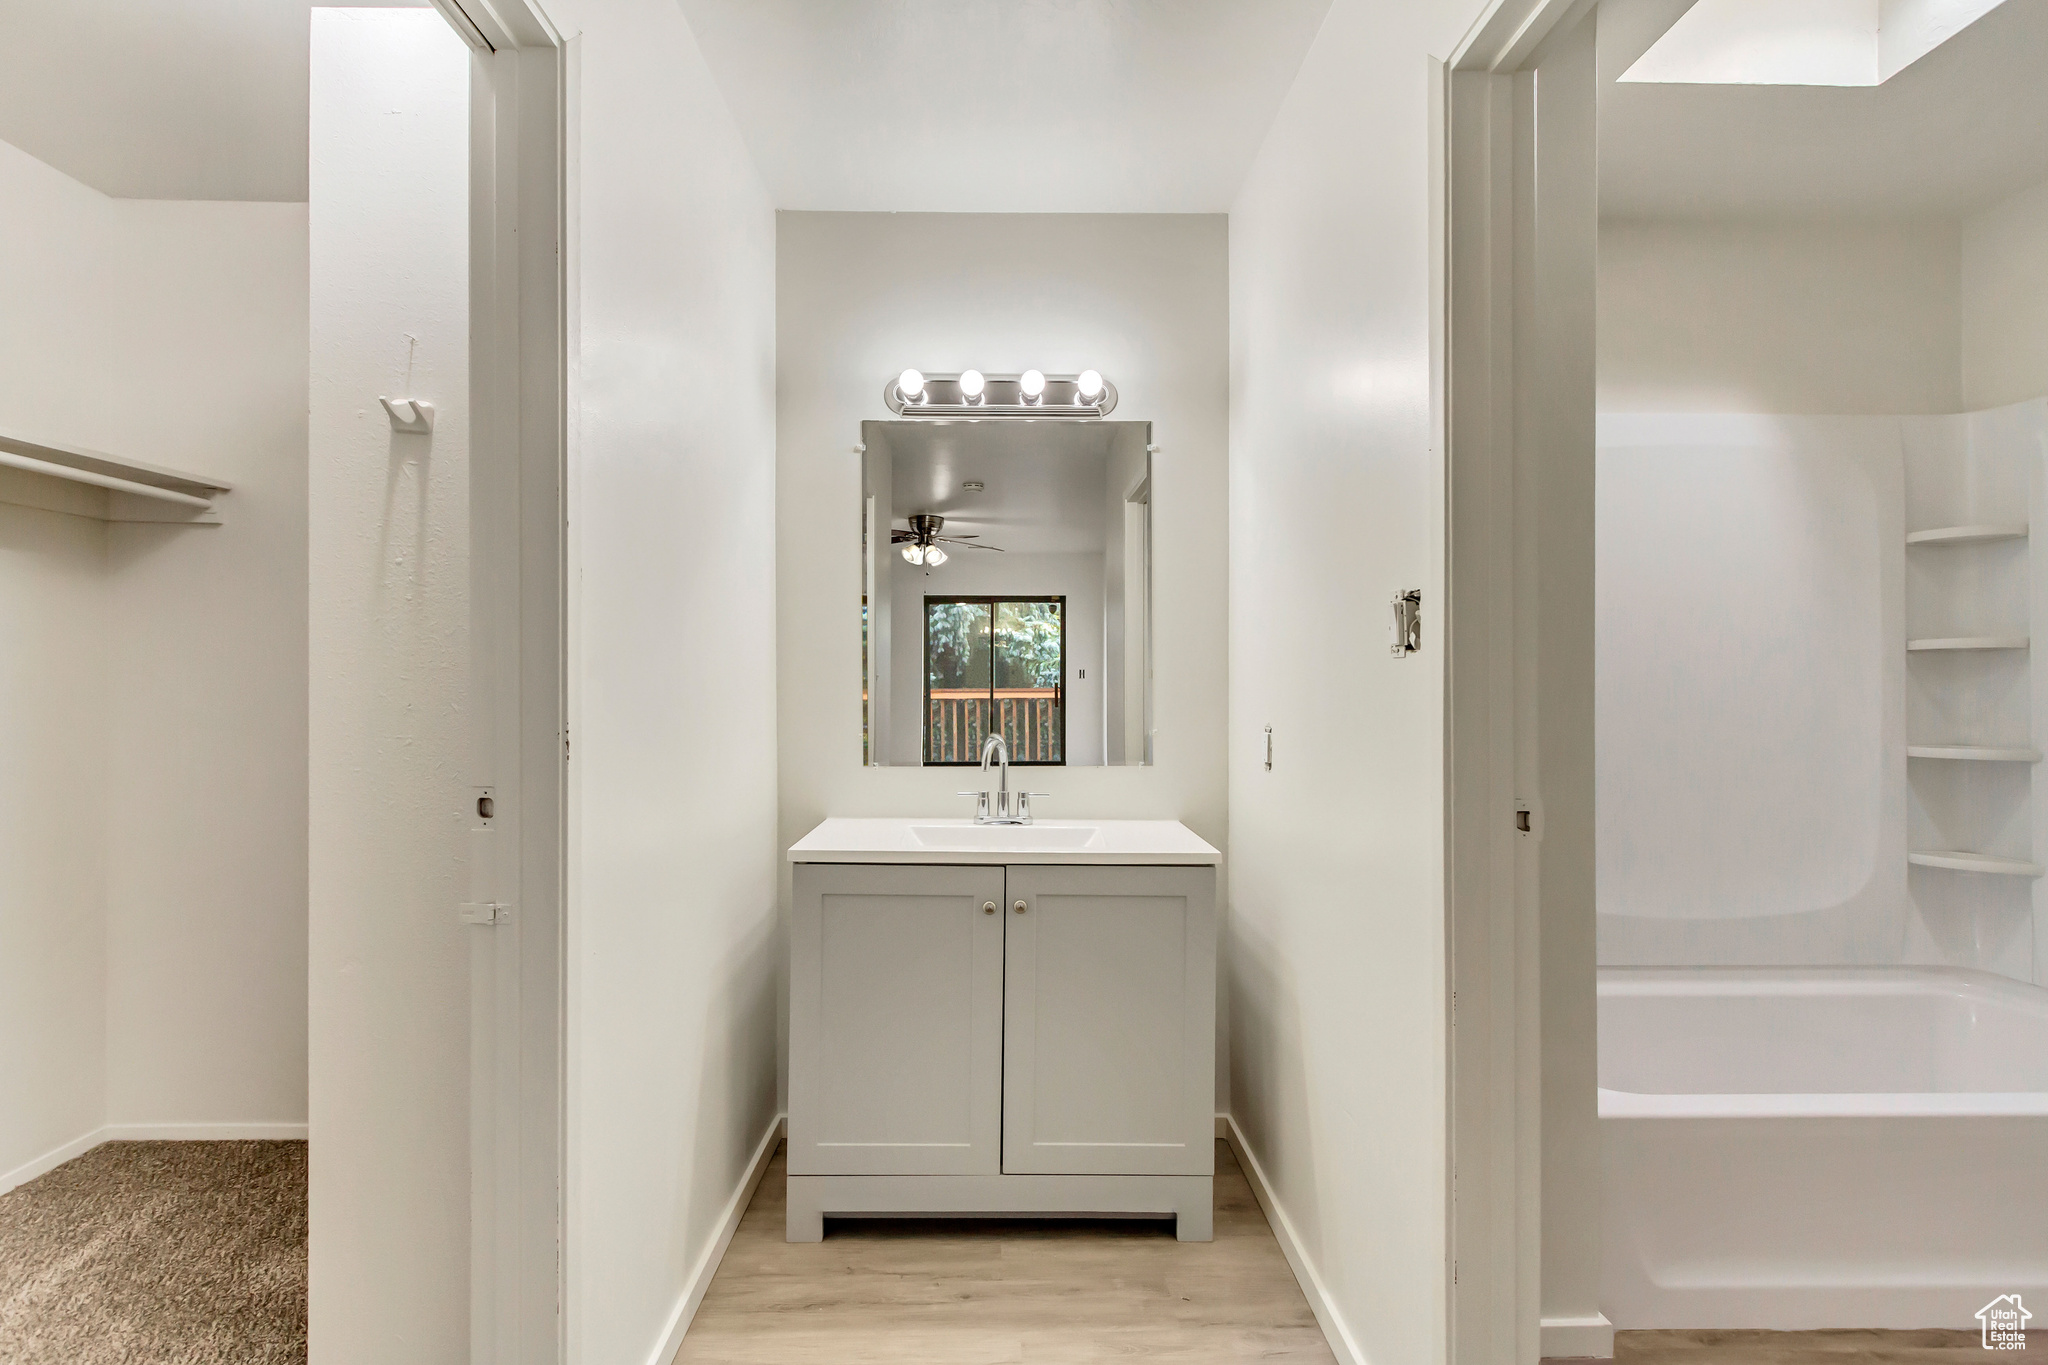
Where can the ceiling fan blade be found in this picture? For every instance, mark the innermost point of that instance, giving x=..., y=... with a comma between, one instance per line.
x=968, y=545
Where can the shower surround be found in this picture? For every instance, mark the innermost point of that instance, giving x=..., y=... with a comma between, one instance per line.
x=1757, y=698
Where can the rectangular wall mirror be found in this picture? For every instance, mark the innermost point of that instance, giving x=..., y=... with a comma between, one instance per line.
x=1007, y=587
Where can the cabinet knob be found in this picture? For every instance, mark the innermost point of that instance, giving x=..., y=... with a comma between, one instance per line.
x=989, y=909
x=1018, y=907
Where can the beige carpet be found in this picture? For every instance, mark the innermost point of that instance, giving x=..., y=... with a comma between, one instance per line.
x=158, y=1253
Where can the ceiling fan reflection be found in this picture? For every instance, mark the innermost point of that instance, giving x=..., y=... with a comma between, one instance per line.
x=921, y=543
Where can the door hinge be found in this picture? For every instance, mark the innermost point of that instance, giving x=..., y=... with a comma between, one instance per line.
x=565, y=746
x=485, y=912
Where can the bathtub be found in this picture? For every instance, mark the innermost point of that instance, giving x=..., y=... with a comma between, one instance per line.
x=1814, y=1147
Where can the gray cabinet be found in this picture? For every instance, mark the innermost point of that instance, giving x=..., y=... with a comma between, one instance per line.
x=1109, y=1003
x=896, y=1021
x=989, y=1039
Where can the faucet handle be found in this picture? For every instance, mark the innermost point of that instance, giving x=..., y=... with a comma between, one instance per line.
x=1024, y=804
x=980, y=806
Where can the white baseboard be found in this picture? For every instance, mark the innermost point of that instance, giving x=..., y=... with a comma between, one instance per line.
x=50, y=1160
x=203, y=1132
x=1577, y=1338
x=148, y=1132
x=1342, y=1344
x=699, y=1282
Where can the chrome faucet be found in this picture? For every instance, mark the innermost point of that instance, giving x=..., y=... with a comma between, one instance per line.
x=992, y=807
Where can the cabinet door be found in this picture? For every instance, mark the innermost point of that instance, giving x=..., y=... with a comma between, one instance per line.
x=1109, y=1032
x=895, y=1020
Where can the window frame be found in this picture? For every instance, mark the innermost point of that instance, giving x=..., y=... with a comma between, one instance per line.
x=991, y=601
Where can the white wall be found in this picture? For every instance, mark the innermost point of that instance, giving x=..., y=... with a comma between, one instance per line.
x=389, y=652
x=169, y=332
x=53, y=692
x=1783, y=318
x=861, y=296
x=2005, y=301
x=1336, y=937
x=206, y=727
x=54, y=603
x=672, y=952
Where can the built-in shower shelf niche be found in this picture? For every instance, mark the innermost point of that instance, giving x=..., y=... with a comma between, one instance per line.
x=1968, y=642
x=105, y=487
x=1974, y=753
x=1966, y=535
x=1959, y=861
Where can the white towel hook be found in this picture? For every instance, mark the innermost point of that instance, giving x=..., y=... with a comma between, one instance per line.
x=409, y=415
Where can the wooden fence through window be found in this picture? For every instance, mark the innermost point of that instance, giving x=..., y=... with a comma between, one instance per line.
x=1029, y=718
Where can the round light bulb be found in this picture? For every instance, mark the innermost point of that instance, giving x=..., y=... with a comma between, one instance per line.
x=1033, y=383
x=934, y=556
x=914, y=553
x=971, y=384
x=910, y=384
x=1089, y=385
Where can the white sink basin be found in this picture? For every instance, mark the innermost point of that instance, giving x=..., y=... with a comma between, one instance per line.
x=1042, y=838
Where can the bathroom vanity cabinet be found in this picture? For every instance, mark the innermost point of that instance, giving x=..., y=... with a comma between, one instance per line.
x=1003, y=1037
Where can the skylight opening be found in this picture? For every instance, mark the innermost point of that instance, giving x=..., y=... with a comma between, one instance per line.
x=1802, y=42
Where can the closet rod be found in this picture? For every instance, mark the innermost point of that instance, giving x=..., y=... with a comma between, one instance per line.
x=61, y=471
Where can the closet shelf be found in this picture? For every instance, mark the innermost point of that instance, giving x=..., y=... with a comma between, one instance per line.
x=115, y=473
x=1966, y=535
x=1973, y=862
x=1970, y=642
x=1974, y=753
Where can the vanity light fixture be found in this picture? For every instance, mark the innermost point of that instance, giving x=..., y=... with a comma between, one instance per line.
x=973, y=395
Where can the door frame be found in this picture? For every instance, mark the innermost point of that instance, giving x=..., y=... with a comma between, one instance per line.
x=1497, y=428
x=518, y=678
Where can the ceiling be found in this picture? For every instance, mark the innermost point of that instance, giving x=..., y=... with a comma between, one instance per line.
x=950, y=105
x=162, y=99
x=1961, y=128
x=1051, y=106
x=1045, y=484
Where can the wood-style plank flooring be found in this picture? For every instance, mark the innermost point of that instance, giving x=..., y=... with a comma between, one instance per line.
x=1006, y=1292
x=1814, y=1348
x=1026, y=1292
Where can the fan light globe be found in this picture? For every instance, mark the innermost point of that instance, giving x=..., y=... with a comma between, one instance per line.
x=1033, y=383
x=971, y=384
x=934, y=556
x=910, y=384
x=1089, y=385
x=914, y=553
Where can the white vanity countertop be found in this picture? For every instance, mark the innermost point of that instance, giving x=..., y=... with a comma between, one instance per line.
x=907, y=840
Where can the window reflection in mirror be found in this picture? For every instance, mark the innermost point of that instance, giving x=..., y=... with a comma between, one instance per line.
x=1007, y=588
